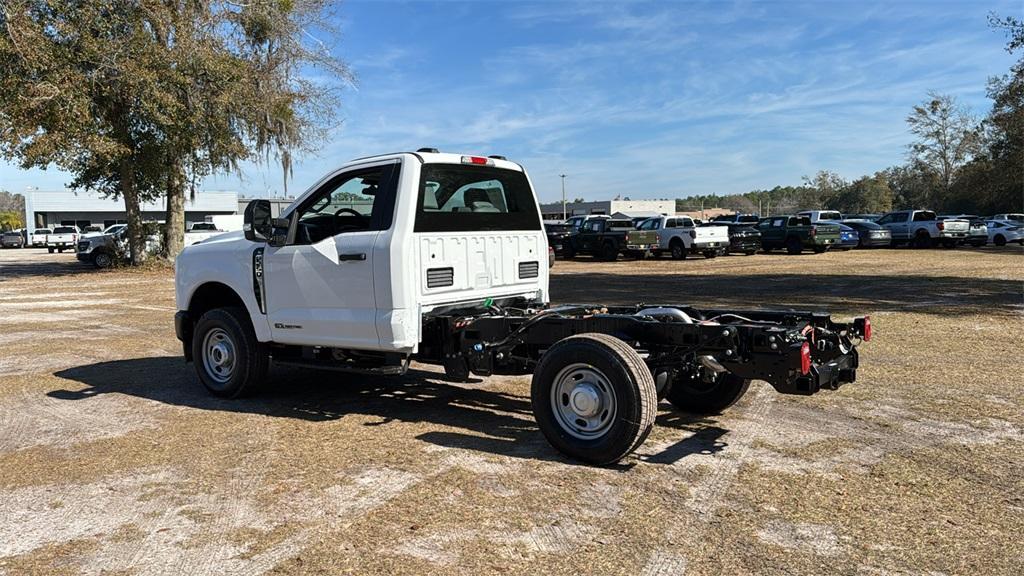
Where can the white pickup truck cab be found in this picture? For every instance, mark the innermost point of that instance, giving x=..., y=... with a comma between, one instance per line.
x=679, y=236
x=923, y=229
x=439, y=258
x=822, y=215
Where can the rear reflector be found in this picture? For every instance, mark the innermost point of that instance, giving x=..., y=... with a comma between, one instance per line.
x=477, y=160
x=867, y=328
x=805, y=358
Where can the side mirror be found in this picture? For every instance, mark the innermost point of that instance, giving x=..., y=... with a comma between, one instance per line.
x=257, y=221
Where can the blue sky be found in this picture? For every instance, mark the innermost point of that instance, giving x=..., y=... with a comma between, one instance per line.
x=656, y=100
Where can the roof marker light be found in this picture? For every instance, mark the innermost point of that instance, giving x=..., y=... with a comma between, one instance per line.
x=477, y=160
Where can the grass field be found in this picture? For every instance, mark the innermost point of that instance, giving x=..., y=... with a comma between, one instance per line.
x=113, y=460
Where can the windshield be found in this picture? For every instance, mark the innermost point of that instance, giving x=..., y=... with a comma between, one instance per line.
x=750, y=219
x=42, y=231
x=829, y=215
x=457, y=198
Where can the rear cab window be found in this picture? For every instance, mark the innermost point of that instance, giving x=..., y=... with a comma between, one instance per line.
x=460, y=198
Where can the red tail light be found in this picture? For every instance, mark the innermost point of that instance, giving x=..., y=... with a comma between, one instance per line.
x=627, y=237
x=867, y=328
x=805, y=358
x=814, y=232
x=940, y=225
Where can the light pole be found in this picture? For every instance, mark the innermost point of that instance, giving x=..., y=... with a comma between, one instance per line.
x=562, y=176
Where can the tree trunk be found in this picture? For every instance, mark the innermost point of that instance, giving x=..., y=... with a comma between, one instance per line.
x=174, y=231
x=136, y=238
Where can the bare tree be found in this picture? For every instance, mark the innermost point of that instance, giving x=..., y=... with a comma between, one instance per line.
x=948, y=136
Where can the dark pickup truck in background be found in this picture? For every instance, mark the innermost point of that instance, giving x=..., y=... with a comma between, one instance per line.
x=797, y=233
x=558, y=235
x=607, y=238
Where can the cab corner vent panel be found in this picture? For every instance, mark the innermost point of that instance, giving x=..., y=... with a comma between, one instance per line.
x=528, y=269
x=438, y=277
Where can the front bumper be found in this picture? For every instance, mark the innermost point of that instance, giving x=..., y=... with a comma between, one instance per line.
x=745, y=244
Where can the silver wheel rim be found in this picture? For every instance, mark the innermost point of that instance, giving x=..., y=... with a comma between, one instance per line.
x=103, y=260
x=583, y=401
x=218, y=355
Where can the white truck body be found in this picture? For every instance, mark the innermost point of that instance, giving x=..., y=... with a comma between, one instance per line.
x=378, y=283
x=923, y=226
x=822, y=215
x=681, y=230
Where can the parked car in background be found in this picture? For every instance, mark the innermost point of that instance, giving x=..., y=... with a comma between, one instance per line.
x=679, y=236
x=819, y=215
x=737, y=218
x=867, y=217
x=977, y=234
x=38, y=237
x=108, y=230
x=797, y=233
x=923, y=229
x=578, y=221
x=869, y=234
x=1001, y=232
x=12, y=239
x=849, y=237
x=1011, y=217
x=605, y=238
x=558, y=234
x=62, y=238
x=103, y=250
x=744, y=238
x=92, y=229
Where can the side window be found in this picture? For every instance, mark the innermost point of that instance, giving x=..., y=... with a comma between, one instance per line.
x=924, y=216
x=685, y=223
x=349, y=202
x=778, y=222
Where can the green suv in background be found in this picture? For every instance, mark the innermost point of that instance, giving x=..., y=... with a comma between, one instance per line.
x=796, y=234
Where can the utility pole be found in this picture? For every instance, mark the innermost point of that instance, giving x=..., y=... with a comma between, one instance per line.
x=564, y=216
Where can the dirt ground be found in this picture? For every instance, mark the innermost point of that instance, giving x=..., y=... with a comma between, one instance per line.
x=113, y=460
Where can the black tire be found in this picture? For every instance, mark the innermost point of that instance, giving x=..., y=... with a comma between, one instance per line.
x=102, y=260
x=710, y=254
x=656, y=254
x=609, y=251
x=999, y=240
x=568, y=252
x=749, y=252
x=678, y=249
x=949, y=244
x=50, y=250
x=822, y=249
x=922, y=240
x=250, y=358
x=691, y=393
x=794, y=245
x=618, y=372
x=60, y=250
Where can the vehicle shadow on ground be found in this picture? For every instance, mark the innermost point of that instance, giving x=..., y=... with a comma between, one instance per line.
x=43, y=265
x=487, y=420
x=946, y=295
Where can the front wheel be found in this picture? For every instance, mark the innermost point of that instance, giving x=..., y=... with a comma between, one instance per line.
x=50, y=250
x=228, y=358
x=794, y=246
x=594, y=398
x=705, y=392
x=999, y=240
x=750, y=252
x=102, y=260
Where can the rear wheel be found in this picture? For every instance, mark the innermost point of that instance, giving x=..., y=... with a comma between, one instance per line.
x=50, y=250
x=794, y=245
x=949, y=244
x=705, y=392
x=228, y=358
x=922, y=240
x=678, y=250
x=820, y=249
x=609, y=251
x=568, y=252
x=749, y=252
x=999, y=240
x=594, y=398
x=710, y=253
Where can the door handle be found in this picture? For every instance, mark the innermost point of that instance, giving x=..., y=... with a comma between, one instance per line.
x=352, y=256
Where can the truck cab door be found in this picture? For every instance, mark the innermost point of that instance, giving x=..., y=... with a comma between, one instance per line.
x=320, y=284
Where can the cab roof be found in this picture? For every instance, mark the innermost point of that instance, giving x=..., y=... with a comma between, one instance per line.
x=431, y=156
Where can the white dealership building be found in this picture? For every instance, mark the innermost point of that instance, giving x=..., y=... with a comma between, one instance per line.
x=49, y=208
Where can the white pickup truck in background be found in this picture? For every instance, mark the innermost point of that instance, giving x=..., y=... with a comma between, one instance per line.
x=679, y=236
x=62, y=238
x=38, y=238
x=923, y=229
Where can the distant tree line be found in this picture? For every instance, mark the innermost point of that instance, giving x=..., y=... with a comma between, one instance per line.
x=956, y=163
